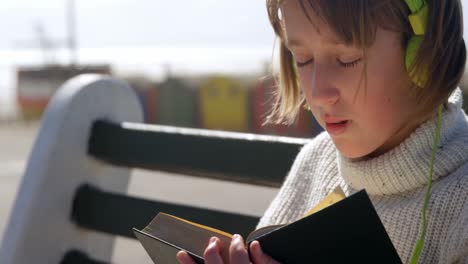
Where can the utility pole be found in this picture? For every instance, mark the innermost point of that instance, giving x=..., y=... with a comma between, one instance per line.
x=46, y=45
x=71, y=23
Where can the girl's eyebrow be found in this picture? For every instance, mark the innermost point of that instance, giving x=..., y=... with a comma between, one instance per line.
x=293, y=43
x=290, y=43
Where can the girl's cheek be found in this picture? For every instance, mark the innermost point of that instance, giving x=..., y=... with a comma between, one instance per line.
x=305, y=85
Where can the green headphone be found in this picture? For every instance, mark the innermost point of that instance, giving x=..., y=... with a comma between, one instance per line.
x=418, y=20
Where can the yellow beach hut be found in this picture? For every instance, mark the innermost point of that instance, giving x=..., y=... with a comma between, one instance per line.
x=224, y=104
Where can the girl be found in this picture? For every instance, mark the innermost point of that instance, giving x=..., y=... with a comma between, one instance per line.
x=376, y=90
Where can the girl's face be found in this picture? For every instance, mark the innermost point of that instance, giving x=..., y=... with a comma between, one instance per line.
x=363, y=119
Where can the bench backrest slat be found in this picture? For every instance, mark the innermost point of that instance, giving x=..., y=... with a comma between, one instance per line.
x=241, y=157
x=117, y=214
x=78, y=257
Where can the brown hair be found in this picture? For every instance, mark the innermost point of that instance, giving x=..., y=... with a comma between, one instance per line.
x=441, y=57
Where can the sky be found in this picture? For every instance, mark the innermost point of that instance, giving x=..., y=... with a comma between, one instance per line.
x=129, y=23
x=140, y=35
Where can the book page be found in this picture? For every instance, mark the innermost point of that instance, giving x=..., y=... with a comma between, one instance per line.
x=161, y=252
x=190, y=236
x=332, y=198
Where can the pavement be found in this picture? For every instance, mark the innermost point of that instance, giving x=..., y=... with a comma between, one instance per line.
x=17, y=139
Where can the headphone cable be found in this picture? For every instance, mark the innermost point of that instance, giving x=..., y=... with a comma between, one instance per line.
x=420, y=243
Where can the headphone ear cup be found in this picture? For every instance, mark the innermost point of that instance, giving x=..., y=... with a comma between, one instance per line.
x=411, y=51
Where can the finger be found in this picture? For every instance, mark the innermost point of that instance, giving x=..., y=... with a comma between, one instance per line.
x=184, y=258
x=258, y=256
x=212, y=254
x=237, y=252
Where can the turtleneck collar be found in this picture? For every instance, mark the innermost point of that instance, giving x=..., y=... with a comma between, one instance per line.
x=406, y=167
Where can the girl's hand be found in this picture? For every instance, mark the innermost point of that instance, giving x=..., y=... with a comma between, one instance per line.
x=237, y=253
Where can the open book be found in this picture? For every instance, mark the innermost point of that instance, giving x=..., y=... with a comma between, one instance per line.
x=338, y=230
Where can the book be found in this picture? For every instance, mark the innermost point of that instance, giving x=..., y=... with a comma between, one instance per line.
x=339, y=229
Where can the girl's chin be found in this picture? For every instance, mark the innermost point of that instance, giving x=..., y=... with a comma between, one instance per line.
x=354, y=156
x=352, y=151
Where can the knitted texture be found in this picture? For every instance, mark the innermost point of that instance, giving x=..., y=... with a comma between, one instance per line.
x=396, y=184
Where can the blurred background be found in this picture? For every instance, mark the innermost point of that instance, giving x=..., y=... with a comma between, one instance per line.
x=202, y=64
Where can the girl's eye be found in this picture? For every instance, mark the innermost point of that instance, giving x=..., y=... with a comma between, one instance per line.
x=302, y=64
x=349, y=64
x=342, y=63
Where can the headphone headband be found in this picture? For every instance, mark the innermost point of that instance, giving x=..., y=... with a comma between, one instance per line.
x=418, y=20
x=415, y=5
x=418, y=17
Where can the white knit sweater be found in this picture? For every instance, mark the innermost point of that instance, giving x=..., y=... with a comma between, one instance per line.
x=396, y=184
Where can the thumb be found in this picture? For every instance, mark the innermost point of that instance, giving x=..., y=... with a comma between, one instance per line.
x=258, y=256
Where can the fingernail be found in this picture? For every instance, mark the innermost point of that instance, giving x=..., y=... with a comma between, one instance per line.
x=212, y=239
x=179, y=255
x=239, y=240
x=259, y=248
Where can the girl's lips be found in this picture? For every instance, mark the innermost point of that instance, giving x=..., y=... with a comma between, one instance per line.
x=337, y=128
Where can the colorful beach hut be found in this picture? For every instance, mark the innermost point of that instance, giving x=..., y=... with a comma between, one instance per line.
x=175, y=103
x=224, y=104
x=35, y=85
x=146, y=91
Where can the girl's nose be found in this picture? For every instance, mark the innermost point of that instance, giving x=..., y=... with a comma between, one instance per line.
x=322, y=91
